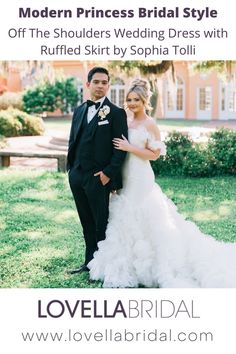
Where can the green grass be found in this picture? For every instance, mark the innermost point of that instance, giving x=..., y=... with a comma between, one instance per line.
x=41, y=236
x=175, y=123
x=169, y=125
x=209, y=202
x=62, y=124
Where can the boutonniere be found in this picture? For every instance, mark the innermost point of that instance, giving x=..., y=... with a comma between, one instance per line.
x=103, y=112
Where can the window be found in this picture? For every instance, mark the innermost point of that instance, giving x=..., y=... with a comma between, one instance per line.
x=170, y=104
x=222, y=98
x=117, y=92
x=232, y=101
x=175, y=96
x=205, y=99
x=113, y=95
x=121, y=97
x=228, y=96
x=179, y=99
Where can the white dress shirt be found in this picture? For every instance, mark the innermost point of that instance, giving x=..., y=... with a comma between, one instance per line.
x=92, y=109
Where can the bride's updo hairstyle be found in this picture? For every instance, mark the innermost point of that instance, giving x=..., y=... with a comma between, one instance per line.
x=142, y=88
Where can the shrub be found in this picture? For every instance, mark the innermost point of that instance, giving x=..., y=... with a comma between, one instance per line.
x=48, y=97
x=177, y=148
x=222, y=147
x=9, y=125
x=177, y=145
x=158, y=166
x=184, y=158
x=67, y=94
x=14, y=122
x=11, y=99
x=199, y=162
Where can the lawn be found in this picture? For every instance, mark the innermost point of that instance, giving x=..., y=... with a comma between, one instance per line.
x=62, y=124
x=180, y=123
x=41, y=237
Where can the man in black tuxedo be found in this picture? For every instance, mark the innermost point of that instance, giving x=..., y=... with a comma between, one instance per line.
x=93, y=164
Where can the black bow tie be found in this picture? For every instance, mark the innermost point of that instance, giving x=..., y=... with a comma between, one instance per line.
x=91, y=103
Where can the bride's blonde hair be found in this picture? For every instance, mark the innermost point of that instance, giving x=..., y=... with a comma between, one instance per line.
x=142, y=88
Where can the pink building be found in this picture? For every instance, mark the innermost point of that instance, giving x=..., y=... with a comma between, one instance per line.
x=203, y=96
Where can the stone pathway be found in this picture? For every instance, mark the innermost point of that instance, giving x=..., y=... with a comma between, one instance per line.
x=37, y=143
x=231, y=124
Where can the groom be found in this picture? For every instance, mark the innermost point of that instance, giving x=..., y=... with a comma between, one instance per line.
x=93, y=164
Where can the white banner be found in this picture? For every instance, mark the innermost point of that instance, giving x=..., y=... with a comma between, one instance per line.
x=151, y=30
x=115, y=321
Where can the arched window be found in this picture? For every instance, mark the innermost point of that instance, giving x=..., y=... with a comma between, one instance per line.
x=204, y=102
x=227, y=98
x=117, y=92
x=174, y=102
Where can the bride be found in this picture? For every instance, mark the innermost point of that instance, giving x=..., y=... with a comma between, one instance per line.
x=147, y=241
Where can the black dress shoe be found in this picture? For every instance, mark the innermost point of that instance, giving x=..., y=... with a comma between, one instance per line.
x=82, y=269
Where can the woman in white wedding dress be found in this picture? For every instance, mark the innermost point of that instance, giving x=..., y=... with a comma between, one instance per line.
x=147, y=241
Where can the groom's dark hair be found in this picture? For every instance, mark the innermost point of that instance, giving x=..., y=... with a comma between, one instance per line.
x=97, y=69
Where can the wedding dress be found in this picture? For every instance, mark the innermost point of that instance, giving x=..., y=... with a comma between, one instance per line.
x=149, y=243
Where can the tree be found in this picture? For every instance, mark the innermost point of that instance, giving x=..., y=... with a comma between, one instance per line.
x=47, y=97
x=160, y=67
x=145, y=67
x=221, y=66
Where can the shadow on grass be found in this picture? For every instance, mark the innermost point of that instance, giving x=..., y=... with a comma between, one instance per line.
x=41, y=238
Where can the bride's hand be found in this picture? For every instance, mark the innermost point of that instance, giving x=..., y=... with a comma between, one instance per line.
x=122, y=144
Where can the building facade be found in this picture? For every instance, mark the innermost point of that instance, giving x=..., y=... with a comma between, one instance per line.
x=195, y=95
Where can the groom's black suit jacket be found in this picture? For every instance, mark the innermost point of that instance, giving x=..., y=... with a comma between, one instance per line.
x=97, y=152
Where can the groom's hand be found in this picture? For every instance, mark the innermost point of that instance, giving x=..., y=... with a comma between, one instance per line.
x=103, y=178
